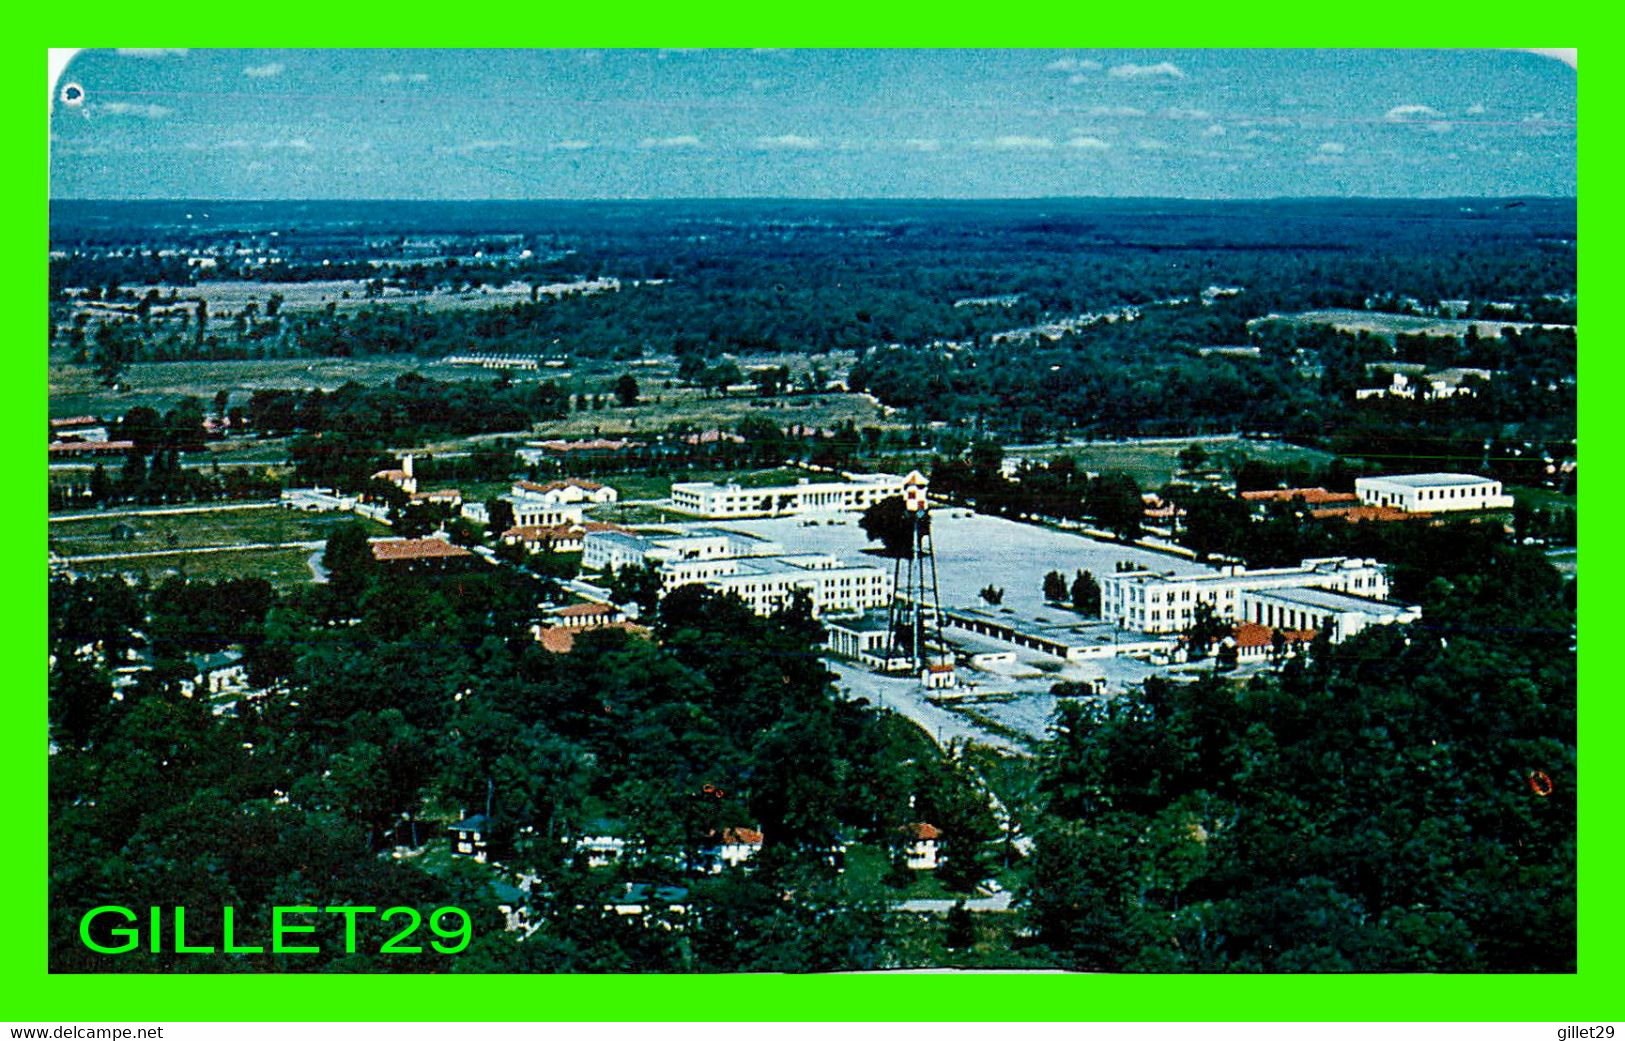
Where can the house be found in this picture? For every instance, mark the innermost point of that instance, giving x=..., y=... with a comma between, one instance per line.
x=557, y=450
x=81, y=449
x=586, y=616
x=547, y=538
x=401, y=478
x=656, y=904
x=471, y=837
x=922, y=846
x=448, y=496
x=603, y=844
x=558, y=639
x=729, y=848
x=937, y=676
x=1254, y=642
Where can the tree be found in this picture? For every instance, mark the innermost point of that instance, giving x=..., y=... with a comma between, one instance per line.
x=961, y=928
x=1086, y=593
x=349, y=562
x=993, y=595
x=1114, y=500
x=500, y=512
x=1055, y=589
x=891, y=523
x=1192, y=457
x=626, y=390
x=1205, y=630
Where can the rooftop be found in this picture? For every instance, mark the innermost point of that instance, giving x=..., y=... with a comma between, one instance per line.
x=1430, y=480
x=1312, y=496
x=416, y=549
x=1251, y=634
x=1327, y=600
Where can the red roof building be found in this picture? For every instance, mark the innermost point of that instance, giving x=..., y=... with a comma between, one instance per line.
x=72, y=448
x=1311, y=496
x=398, y=550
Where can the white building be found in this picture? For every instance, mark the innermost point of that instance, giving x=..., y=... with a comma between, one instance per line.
x=613, y=550
x=1433, y=493
x=568, y=491
x=1158, y=602
x=1322, y=611
x=856, y=492
x=529, y=513
x=767, y=584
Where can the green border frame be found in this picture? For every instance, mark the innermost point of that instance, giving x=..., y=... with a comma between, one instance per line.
x=31, y=994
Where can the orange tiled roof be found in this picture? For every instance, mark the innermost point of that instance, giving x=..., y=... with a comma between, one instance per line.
x=586, y=610
x=922, y=832
x=1312, y=496
x=1369, y=513
x=417, y=549
x=742, y=836
x=560, y=639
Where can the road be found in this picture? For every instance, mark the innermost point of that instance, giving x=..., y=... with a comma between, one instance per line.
x=235, y=547
x=905, y=696
x=163, y=511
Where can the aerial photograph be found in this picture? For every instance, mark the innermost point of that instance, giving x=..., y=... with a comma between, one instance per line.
x=812, y=511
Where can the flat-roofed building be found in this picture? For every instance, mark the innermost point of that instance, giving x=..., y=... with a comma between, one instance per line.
x=767, y=584
x=615, y=549
x=853, y=492
x=1340, y=615
x=570, y=490
x=1433, y=492
x=1161, y=602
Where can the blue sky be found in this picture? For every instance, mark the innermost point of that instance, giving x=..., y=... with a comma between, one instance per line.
x=815, y=124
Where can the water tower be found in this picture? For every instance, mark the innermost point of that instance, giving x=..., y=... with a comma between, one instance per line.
x=915, y=619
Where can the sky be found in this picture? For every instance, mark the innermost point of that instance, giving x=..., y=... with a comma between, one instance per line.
x=620, y=124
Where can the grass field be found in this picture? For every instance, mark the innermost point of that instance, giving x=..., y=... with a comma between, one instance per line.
x=75, y=389
x=1153, y=463
x=283, y=568
x=660, y=409
x=224, y=527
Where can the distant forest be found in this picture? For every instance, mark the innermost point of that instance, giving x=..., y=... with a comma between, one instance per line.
x=1033, y=317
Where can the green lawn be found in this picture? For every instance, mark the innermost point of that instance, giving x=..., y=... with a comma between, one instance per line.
x=283, y=568
x=1154, y=465
x=224, y=527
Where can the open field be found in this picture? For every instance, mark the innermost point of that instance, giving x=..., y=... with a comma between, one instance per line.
x=225, y=527
x=1380, y=323
x=661, y=408
x=283, y=568
x=1153, y=462
x=75, y=389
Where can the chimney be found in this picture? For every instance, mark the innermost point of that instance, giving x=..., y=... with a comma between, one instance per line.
x=406, y=464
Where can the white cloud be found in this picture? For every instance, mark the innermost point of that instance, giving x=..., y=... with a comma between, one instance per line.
x=404, y=77
x=1018, y=142
x=1216, y=130
x=795, y=141
x=1408, y=112
x=1475, y=110
x=573, y=144
x=1149, y=144
x=1116, y=111
x=131, y=108
x=676, y=141
x=1093, y=144
x=1332, y=147
x=1072, y=65
x=1161, y=70
x=299, y=144
x=152, y=52
x=923, y=144
x=260, y=72
x=1261, y=135
x=1186, y=113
